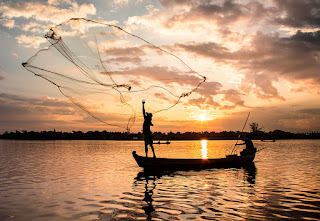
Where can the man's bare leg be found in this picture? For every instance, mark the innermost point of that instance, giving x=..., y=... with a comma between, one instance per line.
x=146, y=148
x=154, y=155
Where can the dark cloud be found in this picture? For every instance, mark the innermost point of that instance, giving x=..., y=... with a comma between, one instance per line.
x=315, y=112
x=295, y=58
x=1, y=78
x=24, y=113
x=297, y=13
x=311, y=39
x=162, y=74
x=234, y=97
x=222, y=12
x=44, y=102
x=206, y=49
x=173, y=3
x=204, y=102
x=292, y=13
x=209, y=89
x=21, y=110
x=268, y=58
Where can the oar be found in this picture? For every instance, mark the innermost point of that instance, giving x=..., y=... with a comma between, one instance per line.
x=168, y=142
x=240, y=133
x=261, y=149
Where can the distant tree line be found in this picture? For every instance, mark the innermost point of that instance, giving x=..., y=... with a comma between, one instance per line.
x=105, y=135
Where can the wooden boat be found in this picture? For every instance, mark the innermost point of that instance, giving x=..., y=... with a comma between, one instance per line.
x=170, y=164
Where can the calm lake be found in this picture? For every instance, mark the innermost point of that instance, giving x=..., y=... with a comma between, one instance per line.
x=99, y=180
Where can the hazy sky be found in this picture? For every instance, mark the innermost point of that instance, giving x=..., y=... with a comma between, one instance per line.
x=261, y=57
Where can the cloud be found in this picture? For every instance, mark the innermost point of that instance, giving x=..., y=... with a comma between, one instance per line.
x=34, y=27
x=296, y=57
x=221, y=13
x=22, y=112
x=291, y=13
x=209, y=89
x=47, y=13
x=121, y=2
x=204, y=103
x=59, y=2
x=8, y=23
x=30, y=41
x=44, y=101
x=301, y=120
x=123, y=59
x=161, y=74
x=233, y=96
x=206, y=49
x=267, y=58
x=133, y=51
x=314, y=111
x=297, y=13
x=1, y=78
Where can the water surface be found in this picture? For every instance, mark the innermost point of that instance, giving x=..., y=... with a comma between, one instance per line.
x=99, y=180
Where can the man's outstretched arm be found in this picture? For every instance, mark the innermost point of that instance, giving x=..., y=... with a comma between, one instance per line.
x=143, y=110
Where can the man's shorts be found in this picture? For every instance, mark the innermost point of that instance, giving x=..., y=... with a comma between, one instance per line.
x=148, y=139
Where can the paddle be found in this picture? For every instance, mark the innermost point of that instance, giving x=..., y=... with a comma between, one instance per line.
x=168, y=142
x=240, y=133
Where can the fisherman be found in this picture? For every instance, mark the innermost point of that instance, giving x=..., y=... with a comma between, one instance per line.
x=249, y=146
x=146, y=130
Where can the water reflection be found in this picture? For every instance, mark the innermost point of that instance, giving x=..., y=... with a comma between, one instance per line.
x=168, y=197
x=148, y=209
x=250, y=173
x=93, y=180
x=149, y=180
x=204, y=149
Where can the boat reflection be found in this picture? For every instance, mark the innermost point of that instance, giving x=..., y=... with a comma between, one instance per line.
x=250, y=173
x=150, y=180
x=149, y=187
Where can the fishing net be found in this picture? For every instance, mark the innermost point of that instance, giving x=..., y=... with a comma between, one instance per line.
x=107, y=71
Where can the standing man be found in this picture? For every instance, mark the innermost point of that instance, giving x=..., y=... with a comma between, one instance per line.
x=146, y=130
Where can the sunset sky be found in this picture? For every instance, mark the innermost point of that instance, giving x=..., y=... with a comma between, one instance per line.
x=261, y=57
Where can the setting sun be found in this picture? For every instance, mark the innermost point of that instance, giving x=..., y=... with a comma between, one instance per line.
x=202, y=116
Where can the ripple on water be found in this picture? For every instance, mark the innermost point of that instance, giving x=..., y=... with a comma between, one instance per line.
x=90, y=180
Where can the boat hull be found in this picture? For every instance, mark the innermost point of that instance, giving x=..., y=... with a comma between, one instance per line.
x=168, y=164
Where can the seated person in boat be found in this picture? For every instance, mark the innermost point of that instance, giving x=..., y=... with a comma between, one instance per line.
x=249, y=146
x=146, y=130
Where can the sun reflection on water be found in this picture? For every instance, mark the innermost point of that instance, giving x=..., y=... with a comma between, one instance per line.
x=204, y=150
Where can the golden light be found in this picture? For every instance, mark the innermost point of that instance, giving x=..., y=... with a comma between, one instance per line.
x=204, y=150
x=202, y=116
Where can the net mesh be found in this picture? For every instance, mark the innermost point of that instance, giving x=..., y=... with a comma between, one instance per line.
x=107, y=71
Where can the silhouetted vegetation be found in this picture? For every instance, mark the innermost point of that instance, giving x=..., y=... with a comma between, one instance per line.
x=105, y=135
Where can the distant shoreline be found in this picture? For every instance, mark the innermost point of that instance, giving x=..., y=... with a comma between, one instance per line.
x=105, y=135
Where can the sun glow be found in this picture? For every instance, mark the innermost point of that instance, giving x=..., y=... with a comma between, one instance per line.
x=204, y=150
x=203, y=116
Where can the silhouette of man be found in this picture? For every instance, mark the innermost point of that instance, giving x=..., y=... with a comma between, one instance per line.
x=249, y=146
x=146, y=130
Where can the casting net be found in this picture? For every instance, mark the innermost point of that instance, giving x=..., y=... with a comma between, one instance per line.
x=107, y=71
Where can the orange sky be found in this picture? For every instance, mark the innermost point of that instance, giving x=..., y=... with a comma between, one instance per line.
x=261, y=57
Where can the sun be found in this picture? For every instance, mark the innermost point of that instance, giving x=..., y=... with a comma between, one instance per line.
x=202, y=117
